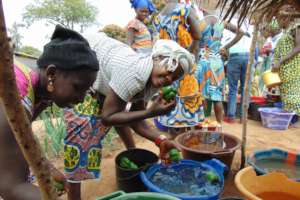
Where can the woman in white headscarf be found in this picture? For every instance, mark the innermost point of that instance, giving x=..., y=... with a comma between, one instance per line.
x=124, y=76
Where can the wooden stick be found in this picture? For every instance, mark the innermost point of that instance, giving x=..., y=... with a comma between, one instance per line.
x=246, y=94
x=17, y=117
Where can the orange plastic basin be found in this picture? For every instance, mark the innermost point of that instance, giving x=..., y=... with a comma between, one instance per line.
x=272, y=186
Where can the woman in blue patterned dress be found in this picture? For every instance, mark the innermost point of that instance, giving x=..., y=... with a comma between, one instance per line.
x=210, y=69
x=179, y=22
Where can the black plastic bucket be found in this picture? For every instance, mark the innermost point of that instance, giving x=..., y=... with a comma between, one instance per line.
x=129, y=180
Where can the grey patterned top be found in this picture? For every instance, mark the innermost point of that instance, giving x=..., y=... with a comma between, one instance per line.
x=121, y=69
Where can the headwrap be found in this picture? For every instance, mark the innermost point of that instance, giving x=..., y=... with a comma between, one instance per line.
x=173, y=55
x=136, y=4
x=68, y=50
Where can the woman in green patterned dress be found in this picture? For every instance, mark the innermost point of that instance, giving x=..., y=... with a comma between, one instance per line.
x=287, y=62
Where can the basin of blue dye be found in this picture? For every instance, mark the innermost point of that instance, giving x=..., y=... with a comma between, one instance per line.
x=276, y=160
x=186, y=180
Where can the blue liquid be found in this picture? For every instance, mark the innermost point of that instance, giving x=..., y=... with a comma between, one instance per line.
x=185, y=180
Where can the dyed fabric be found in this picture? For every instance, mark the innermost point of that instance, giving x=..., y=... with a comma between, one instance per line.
x=210, y=69
x=26, y=80
x=83, y=148
x=188, y=111
x=137, y=4
x=289, y=74
x=174, y=27
x=142, y=42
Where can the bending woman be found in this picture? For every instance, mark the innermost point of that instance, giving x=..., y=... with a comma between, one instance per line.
x=66, y=69
x=179, y=22
x=124, y=76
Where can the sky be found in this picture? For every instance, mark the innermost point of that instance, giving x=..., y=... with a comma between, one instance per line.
x=110, y=12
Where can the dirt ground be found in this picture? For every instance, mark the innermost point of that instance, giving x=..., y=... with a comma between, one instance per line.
x=258, y=138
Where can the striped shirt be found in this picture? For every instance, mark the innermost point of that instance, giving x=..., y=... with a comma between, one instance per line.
x=121, y=69
x=142, y=41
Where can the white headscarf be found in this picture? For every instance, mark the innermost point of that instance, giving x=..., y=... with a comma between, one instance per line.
x=174, y=55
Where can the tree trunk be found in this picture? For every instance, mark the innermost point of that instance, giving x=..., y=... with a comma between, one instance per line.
x=17, y=117
x=246, y=94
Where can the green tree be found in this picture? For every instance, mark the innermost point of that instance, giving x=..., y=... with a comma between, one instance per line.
x=68, y=13
x=30, y=51
x=15, y=35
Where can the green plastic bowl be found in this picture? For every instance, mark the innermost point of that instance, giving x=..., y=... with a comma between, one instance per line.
x=120, y=195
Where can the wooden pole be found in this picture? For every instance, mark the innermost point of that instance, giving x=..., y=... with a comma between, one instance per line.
x=17, y=117
x=246, y=93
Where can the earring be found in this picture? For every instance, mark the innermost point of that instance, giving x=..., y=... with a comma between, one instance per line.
x=50, y=86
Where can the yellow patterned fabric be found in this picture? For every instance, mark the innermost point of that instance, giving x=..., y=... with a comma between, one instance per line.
x=89, y=106
x=83, y=141
x=289, y=74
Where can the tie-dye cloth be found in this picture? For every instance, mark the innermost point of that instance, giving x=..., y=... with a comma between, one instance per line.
x=210, y=69
x=83, y=148
x=142, y=42
x=174, y=26
x=26, y=80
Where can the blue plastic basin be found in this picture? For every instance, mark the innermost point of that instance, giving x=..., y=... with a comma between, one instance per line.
x=213, y=165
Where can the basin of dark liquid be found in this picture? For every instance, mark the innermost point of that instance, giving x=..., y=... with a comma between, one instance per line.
x=277, y=196
x=209, y=142
x=190, y=181
x=276, y=165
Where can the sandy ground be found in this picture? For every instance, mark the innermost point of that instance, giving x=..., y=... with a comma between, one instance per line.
x=258, y=138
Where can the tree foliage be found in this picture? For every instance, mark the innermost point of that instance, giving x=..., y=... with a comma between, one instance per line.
x=14, y=33
x=115, y=32
x=30, y=51
x=68, y=13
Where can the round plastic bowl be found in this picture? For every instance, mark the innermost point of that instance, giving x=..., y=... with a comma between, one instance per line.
x=214, y=165
x=280, y=155
x=252, y=186
x=275, y=118
x=258, y=100
x=120, y=195
x=232, y=143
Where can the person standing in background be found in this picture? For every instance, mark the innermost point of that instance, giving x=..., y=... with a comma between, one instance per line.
x=210, y=70
x=179, y=22
x=286, y=62
x=138, y=35
x=273, y=33
x=236, y=71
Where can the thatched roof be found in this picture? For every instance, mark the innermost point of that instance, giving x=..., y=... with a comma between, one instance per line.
x=248, y=8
